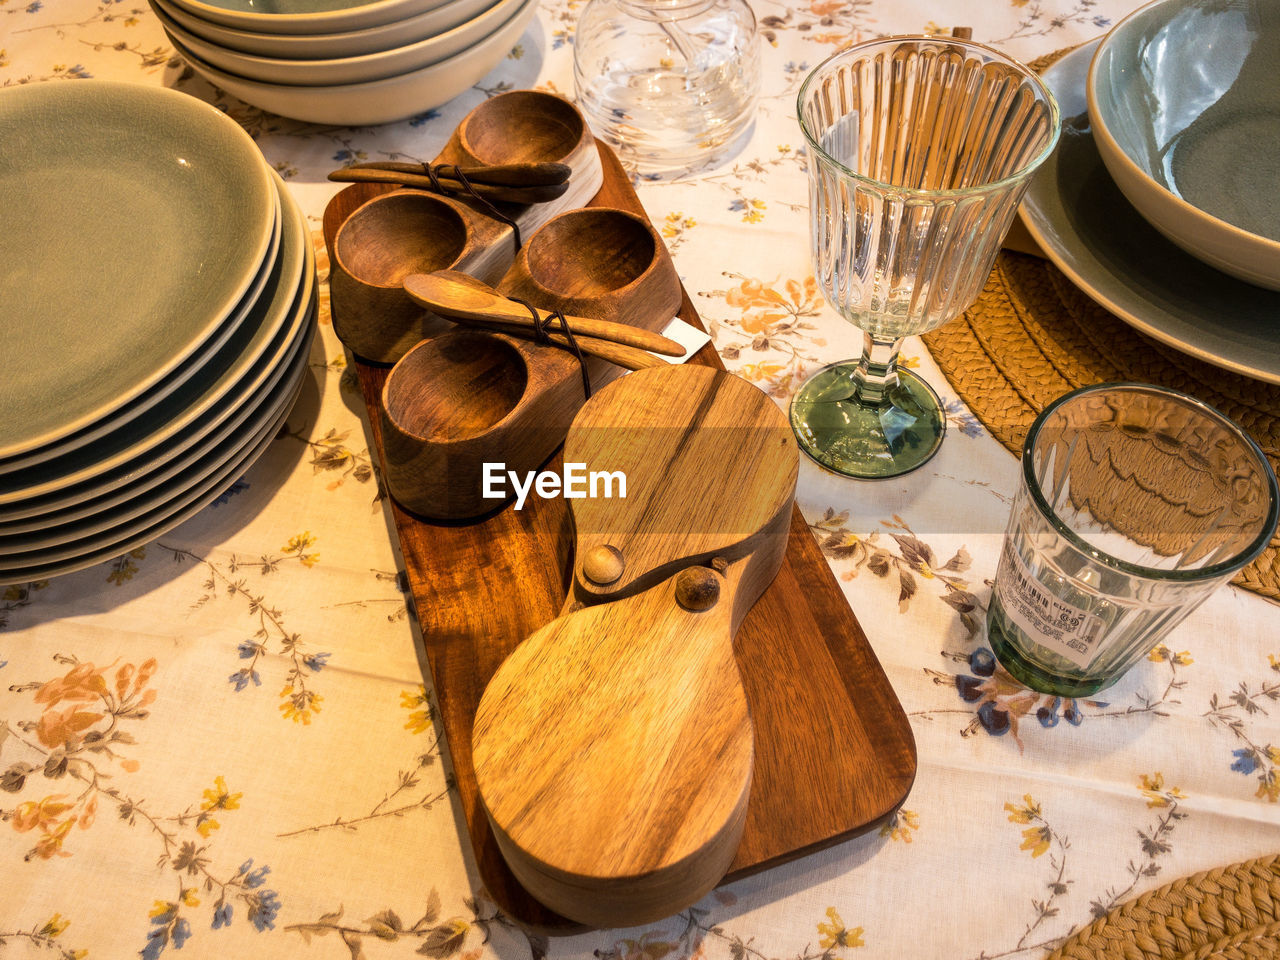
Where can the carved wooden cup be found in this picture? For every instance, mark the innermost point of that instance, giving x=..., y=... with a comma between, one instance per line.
x=391, y=237
x=406, y=231
x=467, y=397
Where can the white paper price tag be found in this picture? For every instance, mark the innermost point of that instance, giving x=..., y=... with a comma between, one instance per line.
x=688, y=336
x=1047, y=620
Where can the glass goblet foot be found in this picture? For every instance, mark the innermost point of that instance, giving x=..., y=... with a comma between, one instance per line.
x=869, y=441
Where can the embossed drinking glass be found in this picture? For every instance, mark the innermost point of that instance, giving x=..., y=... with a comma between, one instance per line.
x=919, y=152
x=1136, y=503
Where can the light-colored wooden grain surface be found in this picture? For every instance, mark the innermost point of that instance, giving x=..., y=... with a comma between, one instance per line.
x=710, y=462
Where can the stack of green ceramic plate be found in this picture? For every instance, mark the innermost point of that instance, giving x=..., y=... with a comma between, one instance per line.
x=159, y=306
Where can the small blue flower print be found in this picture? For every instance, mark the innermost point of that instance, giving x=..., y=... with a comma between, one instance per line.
x=242, y=679
x=1246, y=760
x=1048, y=714
x=982, y=662
x=257, y=877
x=263, y=908
x=222, y=915
x=994, y=720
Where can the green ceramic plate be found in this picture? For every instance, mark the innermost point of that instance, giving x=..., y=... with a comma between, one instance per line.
x=225, y=383
x=136, y=220
x=169, y=515
x=69, y=541
x=160, y=399
x=75, y=539
x=1091, y=232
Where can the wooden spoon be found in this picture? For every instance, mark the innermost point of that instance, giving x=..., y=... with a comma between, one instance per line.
x=527, y=174
x=629, y=358
x=535, y=193
x=459, y=296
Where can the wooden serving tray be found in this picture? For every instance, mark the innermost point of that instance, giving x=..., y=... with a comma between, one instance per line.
x=834, y=752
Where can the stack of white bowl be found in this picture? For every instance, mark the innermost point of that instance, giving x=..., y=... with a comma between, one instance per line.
x=158, y=314
x=350, y=62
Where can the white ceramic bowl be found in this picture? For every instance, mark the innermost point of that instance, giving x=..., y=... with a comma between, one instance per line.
x=379, y=101
x=362, y=69
x=306, y=16
x=1185, y=107
x=320, y=46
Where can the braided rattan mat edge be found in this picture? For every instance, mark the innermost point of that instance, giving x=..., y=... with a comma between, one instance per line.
x=1229, y=913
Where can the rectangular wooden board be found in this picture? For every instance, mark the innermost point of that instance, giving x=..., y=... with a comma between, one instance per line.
x=835, y=755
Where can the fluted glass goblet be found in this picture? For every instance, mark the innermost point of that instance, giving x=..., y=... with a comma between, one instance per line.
x=920, y=149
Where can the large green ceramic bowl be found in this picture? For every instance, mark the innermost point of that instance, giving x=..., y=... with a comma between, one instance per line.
x=1184, y=100
x=136, y=221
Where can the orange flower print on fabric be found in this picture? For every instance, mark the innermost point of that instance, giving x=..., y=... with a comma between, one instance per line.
x=298, y=546
x=58, y=728
x=1029, y=811
x=55, y=926
x=299, y=704
x=46, y=935
x=40, y=814
x=1037, y=840
x=800, y=299
x=44, y=816
x=220, y=798
x=83, y=683
x=1157, y=795
x=1162, y=654
x=901, y=825
x=77, y=734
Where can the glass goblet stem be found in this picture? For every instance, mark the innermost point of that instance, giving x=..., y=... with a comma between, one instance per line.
x=876, y=374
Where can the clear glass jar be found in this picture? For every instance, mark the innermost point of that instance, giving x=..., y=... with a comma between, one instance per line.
x=671, y=85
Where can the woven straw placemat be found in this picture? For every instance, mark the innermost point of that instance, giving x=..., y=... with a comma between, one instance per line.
x=1231, y=913
x=1033, y=336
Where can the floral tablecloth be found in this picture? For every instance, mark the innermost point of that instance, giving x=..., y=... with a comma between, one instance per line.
x=225, y=742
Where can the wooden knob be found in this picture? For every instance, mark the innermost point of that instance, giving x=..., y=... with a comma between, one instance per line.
x=603, y=564
x=697, y=589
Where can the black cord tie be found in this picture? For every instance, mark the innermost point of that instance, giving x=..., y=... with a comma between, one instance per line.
x=542, y=334
x=454, y=172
